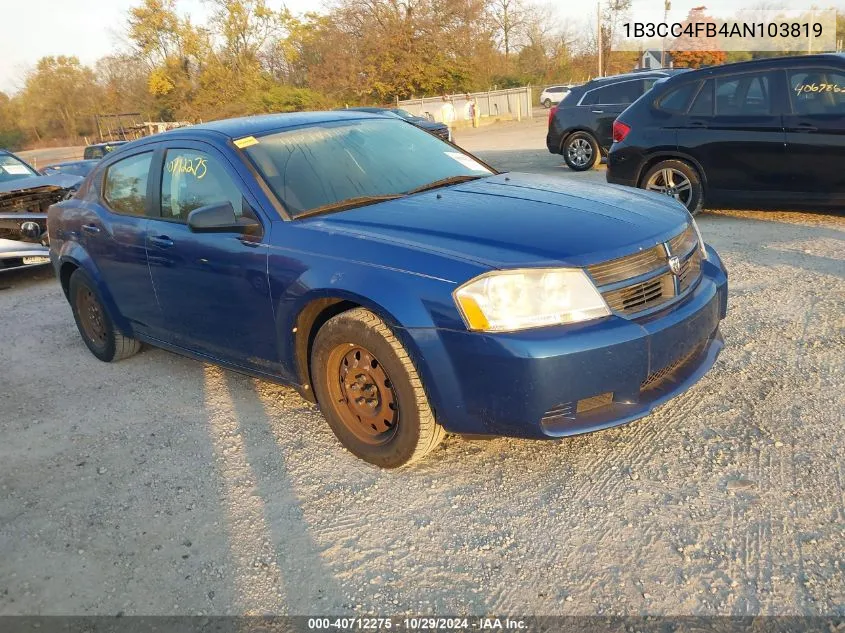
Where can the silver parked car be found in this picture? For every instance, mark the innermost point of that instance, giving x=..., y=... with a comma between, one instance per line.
x=25, y=196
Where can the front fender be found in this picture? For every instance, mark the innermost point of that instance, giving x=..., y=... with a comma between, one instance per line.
x=407, y=302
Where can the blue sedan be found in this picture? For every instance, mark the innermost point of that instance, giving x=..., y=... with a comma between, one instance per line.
x=397, y=281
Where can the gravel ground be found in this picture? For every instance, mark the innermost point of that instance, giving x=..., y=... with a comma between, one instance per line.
x=162, y=486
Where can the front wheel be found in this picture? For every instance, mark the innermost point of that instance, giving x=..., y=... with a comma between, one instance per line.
x=370, y=392
x=581, y=151
x=678, y=180
x=547, y=104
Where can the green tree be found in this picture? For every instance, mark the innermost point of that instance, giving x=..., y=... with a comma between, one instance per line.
x=11, y=134
x=59, y=98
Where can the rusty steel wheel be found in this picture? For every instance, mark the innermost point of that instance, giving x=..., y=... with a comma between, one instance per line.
x=95, y=326
x=91, y=317
x=362, y=394
x=370, y=392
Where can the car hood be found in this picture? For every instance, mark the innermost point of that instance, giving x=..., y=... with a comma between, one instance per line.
x=512, y=219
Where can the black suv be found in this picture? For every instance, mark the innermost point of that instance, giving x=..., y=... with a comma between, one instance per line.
x=764, y=133
x=580, y=126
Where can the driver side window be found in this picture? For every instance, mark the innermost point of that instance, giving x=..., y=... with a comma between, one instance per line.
x=191, y=179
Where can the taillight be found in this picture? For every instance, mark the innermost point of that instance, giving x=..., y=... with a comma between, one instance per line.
x=620, y=131
x=552, y=111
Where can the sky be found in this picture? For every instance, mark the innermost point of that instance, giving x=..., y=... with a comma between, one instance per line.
x=90, y=29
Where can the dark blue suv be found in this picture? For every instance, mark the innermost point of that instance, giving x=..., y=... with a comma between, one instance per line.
x=580, y=127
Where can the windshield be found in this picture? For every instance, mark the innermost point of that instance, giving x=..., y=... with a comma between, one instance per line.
x=12, y=168
x=327, y=164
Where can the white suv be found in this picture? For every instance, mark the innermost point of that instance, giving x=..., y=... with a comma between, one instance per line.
x=553, y=94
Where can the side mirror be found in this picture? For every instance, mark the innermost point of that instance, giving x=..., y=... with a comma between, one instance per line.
x=221, y=218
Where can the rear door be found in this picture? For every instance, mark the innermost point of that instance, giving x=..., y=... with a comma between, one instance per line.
x=815, y=134
x=112, y=229
x=734, y=129
x=212, y=287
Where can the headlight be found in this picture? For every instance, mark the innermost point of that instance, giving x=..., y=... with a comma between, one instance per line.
x=701, y=246
x=519, y=299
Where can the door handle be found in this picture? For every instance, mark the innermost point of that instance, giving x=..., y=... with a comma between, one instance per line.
x=697, y=124
x=598, y=111
x=248, y=242
x=805, y=127
x=90, y=229
x=162, y=241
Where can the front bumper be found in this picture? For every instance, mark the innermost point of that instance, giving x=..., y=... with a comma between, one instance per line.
x=555, y=382
x=14, y=254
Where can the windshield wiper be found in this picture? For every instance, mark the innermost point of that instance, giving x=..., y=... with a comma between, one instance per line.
x=349, y=203
x=444, y=182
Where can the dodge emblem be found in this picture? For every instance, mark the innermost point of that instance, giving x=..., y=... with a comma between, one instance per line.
x=675, y=265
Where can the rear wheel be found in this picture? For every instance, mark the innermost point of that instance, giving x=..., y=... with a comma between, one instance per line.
x=370, y=392
x=547, y=104
x=94, y=324
x=581, y=151
x=678, y=180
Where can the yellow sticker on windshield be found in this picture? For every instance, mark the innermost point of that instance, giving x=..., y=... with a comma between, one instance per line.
x=246, y=141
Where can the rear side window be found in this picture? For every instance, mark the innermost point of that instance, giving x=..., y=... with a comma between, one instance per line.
x=678, y=99
x=624, y=92
x=125, y=184
x=745, y=95
x=703, y=104
x=817, y=91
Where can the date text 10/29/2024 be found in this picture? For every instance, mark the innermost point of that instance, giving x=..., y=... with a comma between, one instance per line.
x=417, y=624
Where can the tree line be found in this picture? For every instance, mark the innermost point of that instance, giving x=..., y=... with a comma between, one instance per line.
x=251, y=58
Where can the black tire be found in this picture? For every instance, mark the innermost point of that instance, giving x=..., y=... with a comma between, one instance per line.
x=581, y=151
x=547, y=104
x=694, y=201
x=413, y=432
x=94, y=323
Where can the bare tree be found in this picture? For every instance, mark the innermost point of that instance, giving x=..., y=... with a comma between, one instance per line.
x=509, y=17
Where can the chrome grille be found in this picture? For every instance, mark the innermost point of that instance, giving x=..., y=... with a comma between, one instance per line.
x=640, y=296
x=660, y=285
x=690, y=270
x=628, y=266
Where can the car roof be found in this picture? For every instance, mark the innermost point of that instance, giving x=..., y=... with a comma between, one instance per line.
x=262, y=124
x=365, y=109
x=107, y=144
x=754, y=64
x=638, y=74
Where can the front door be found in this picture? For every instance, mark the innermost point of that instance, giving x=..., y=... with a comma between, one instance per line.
x=212, y=287
x=734, y=129
x=815, y=134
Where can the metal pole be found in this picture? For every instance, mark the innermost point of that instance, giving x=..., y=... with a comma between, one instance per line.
x=666, y=6
x=598, y=23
